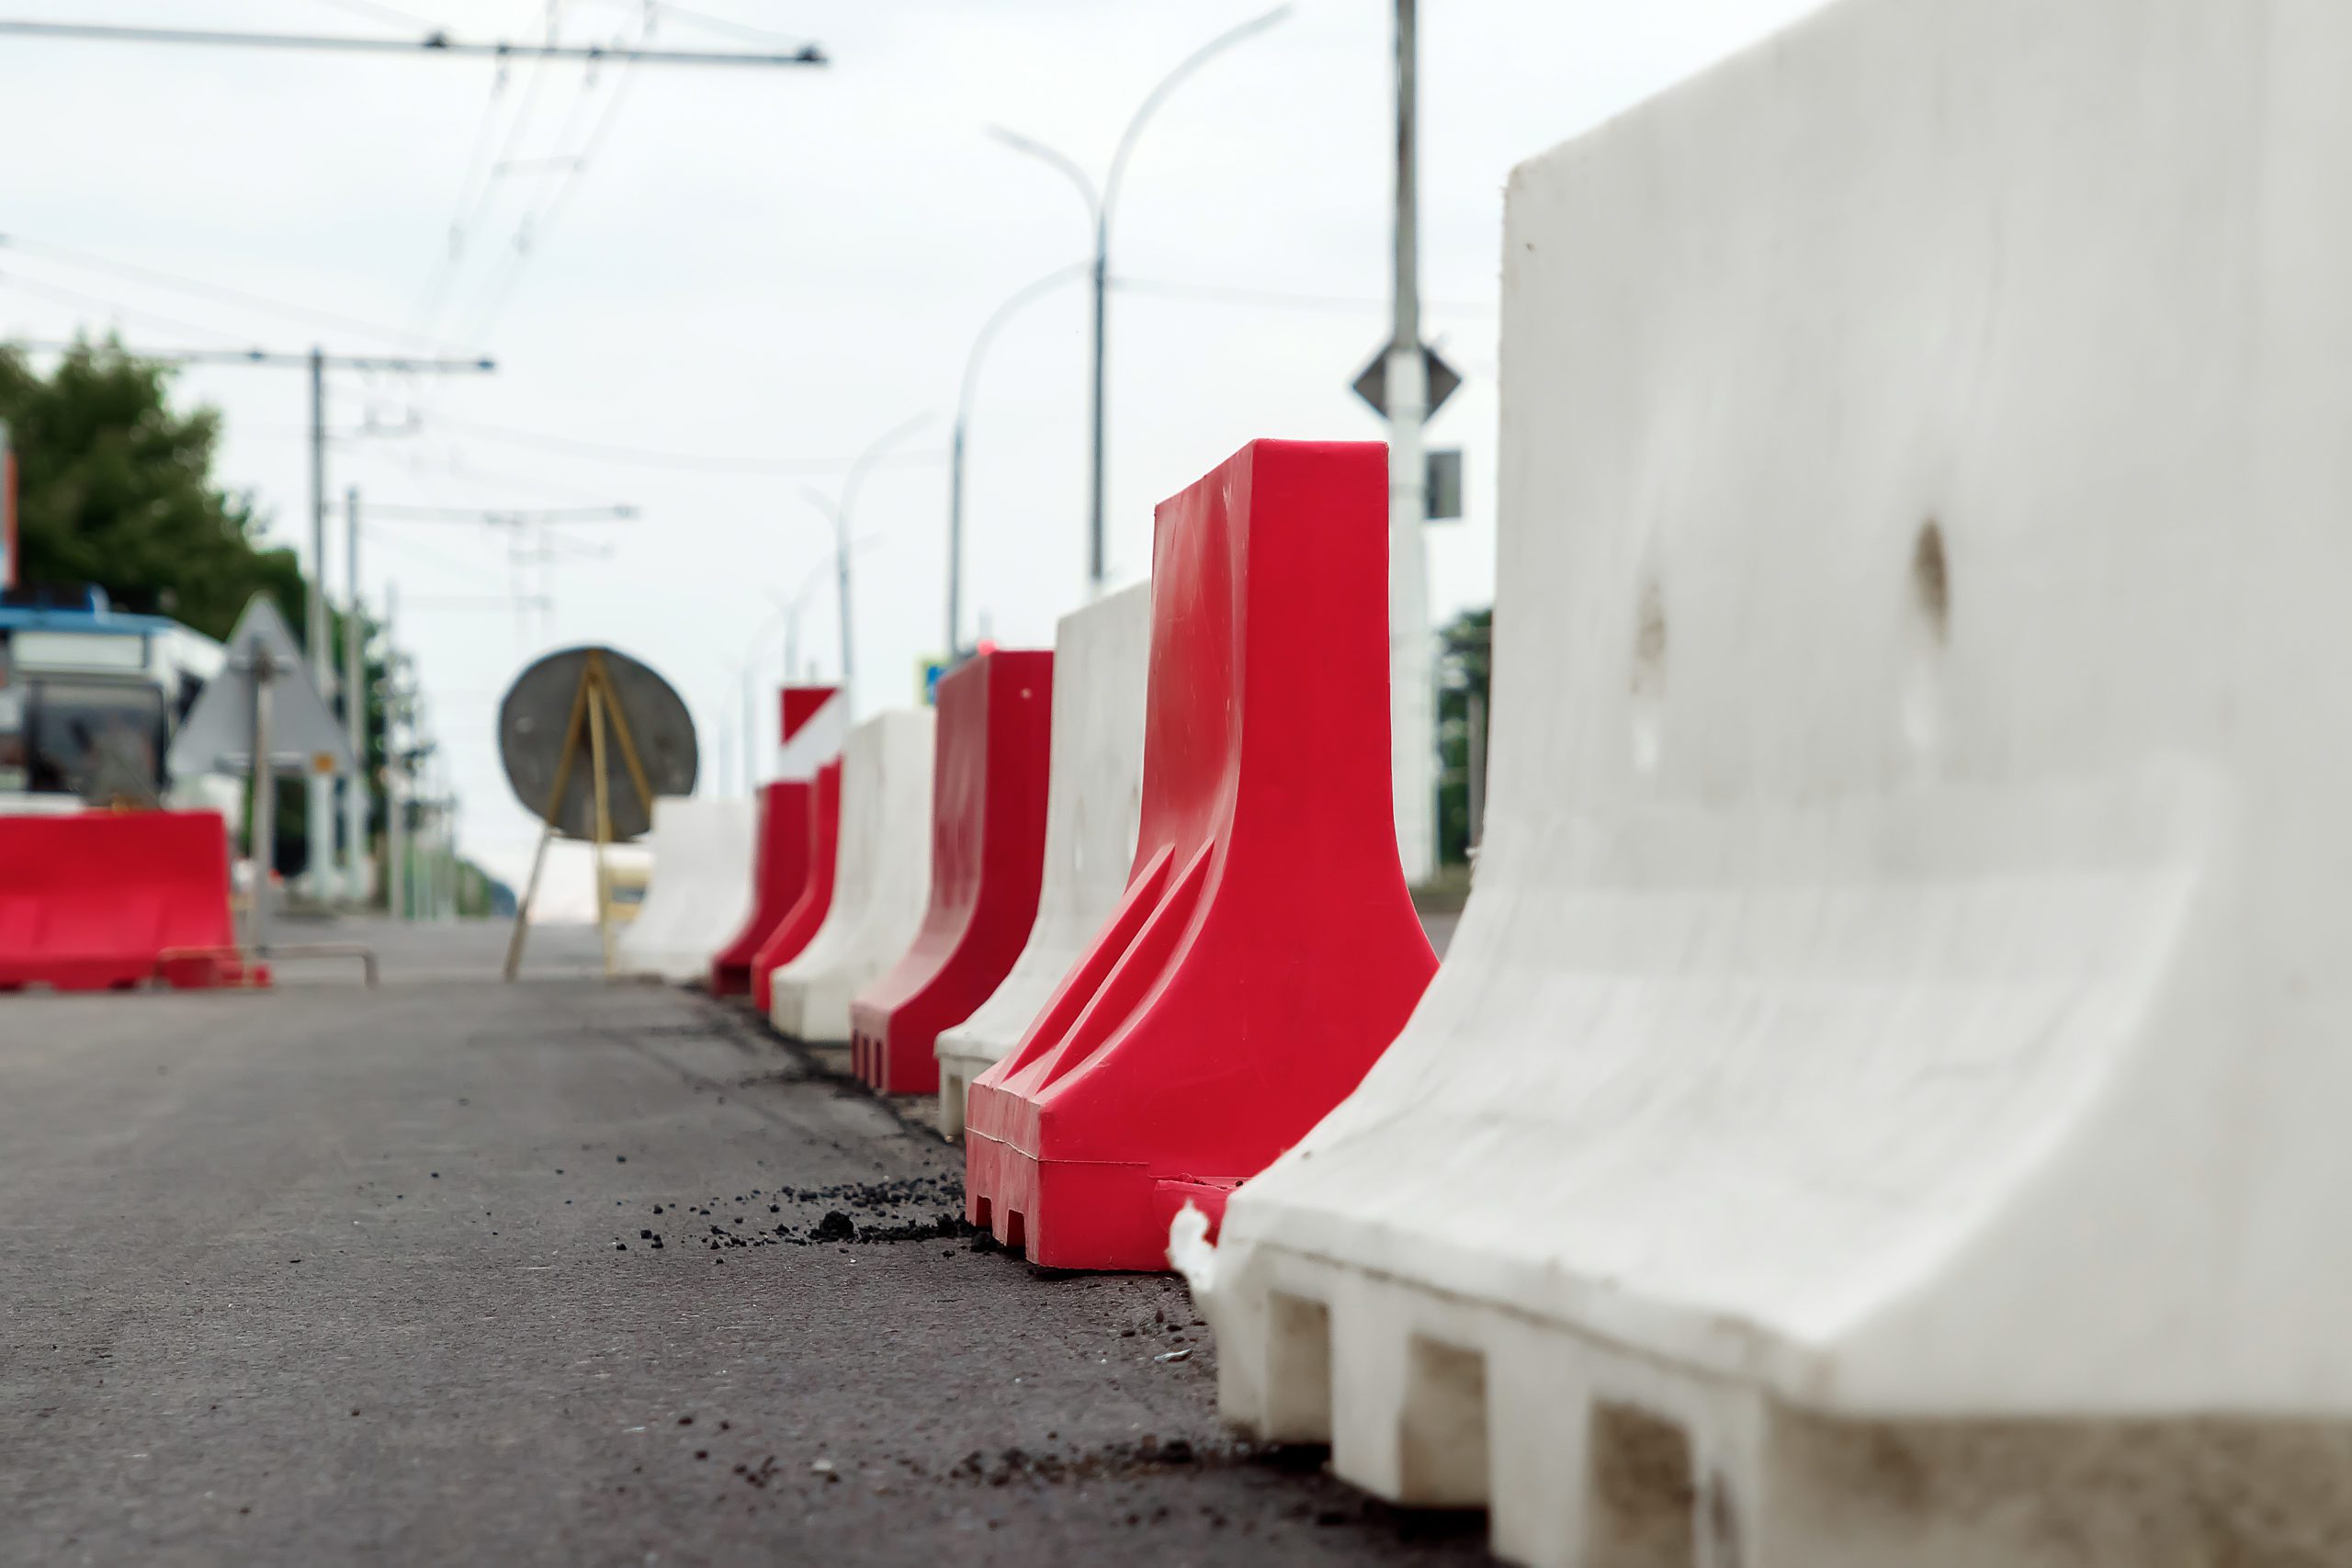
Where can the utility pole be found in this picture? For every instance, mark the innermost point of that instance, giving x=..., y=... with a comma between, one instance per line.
x=1412, y=668
x=355, y=713
x=318, y=811
x=319, y=815
x=318, y=807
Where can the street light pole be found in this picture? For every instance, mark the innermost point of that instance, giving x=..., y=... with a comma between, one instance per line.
x=1003, y=313
x=1099, y=206
x=790, y=610
x=841, y=513
x=1412, y=673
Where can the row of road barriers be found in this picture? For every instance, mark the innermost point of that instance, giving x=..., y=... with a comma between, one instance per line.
x=1134, y=902
x=1884, y=1101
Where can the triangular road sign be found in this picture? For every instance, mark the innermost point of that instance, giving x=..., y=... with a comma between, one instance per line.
x=218, y=734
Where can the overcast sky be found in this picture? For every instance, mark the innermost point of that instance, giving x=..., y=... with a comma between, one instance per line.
x=732, y=281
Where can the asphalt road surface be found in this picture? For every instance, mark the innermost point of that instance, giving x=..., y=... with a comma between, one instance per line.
x=566, y=1273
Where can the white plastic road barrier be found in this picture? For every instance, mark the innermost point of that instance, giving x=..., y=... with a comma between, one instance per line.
x=881, y=877
x=700, y=891
x=1093, y=803
x=1885, y=1101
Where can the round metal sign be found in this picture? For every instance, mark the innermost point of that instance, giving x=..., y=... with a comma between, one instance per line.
x=539, y=711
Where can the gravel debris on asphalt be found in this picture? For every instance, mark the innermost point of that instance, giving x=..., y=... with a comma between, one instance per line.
x=869, y=1383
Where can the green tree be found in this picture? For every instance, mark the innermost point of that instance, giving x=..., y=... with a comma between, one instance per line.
x=1465, y=668
x=116, y=488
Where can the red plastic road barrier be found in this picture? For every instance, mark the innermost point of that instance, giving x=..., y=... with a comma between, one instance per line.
x=781, y=863
x=987, y=855
x=93, y=901
x=793, y=932
x=780, y=872
x=1266, y=952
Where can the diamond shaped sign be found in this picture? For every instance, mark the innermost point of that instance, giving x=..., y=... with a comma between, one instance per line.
x=1440, y=379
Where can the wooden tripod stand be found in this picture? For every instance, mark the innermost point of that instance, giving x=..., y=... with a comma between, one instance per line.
x=595, y=704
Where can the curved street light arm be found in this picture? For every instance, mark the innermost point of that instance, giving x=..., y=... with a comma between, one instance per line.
x=1059, y=160
x=882, y=444
x=1158, y=94
x=1004, y=313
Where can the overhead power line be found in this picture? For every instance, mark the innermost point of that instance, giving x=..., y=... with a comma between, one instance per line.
x=200, y=288
x=506, y=516
x=114, y=308
x=431, y=43
x=1288, y=299
x=651, y=457
x=537, y=220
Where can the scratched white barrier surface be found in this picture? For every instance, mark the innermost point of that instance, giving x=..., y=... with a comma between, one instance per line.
x=1093, y=803
x=881, y=877
x=700, y=891
x=1885, y=1101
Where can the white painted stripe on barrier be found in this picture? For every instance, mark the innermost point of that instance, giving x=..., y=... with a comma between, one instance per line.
x=1904, y=981
x=700, y=891
x=881, y=879
x=1093, y=802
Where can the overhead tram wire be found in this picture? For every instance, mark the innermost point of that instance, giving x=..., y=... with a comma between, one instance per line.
x=436, y=43
x=445, y=267
x=515, y=128
x=537, y=221
x=480, y=189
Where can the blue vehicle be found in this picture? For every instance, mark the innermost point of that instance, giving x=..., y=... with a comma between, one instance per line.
x=89, y=700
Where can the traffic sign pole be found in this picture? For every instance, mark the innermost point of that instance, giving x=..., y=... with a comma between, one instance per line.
x=1412, y=662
